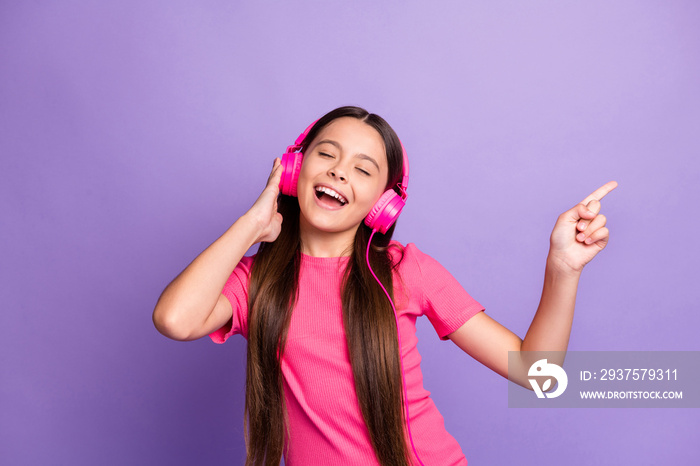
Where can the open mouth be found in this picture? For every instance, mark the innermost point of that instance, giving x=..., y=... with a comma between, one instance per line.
x=330, y=196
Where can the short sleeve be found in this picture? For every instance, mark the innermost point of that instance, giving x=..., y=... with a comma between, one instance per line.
x=443, y=299
x=236, y=291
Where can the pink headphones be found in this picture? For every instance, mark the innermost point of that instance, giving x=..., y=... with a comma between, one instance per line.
x=385, y=211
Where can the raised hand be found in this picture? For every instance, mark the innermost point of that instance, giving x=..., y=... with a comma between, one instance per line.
x=580, y=232
x=264, y=211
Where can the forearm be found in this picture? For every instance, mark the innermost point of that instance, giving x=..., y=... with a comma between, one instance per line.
x=551, y=326
x=189, y=299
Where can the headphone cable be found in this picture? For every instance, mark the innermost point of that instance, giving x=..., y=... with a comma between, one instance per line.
x=398, y=333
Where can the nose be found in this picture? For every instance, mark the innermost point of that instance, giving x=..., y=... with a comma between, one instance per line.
x=337, y=172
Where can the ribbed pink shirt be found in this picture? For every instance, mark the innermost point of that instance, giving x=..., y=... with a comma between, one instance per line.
x=325, y=420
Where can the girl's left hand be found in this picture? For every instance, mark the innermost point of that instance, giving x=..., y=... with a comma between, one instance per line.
x=580, y=232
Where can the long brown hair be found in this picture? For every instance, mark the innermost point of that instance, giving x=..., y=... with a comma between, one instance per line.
x=370, y=328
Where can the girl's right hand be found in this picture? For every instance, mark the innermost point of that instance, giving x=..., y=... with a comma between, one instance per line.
x=264, y=213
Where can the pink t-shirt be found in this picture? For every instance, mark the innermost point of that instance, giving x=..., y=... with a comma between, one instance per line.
x=325, y=420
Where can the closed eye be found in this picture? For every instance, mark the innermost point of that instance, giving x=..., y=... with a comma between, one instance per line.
x=323, y=154
x=363, y=171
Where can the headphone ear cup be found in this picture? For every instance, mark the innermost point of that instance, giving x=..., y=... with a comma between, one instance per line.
x=291, y=166
x=385, y=211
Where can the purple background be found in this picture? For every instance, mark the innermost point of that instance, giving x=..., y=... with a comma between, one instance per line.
x=134, y=133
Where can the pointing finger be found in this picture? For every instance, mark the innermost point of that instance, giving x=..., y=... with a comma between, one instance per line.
x=601, y=192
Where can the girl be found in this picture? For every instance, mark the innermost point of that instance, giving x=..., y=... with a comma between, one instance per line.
x=326, y=365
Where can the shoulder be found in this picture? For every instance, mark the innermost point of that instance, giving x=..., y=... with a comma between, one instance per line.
x=409, y=254
x=241, y=273
x=396, y=249
x=247, y=262
x=413, y=264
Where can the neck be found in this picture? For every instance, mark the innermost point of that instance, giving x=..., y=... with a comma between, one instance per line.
x=319, y=243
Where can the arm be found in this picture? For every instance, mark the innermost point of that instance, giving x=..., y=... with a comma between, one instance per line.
x=192, y=305
x=489, y=342
x=578, y=236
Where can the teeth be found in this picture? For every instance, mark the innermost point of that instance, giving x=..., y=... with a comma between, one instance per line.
x=332, y=193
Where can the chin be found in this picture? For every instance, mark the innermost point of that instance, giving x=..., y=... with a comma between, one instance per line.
x=328, y=225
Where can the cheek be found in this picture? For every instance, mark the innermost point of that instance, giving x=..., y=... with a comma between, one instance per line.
x=302, y=180
x=373, y=193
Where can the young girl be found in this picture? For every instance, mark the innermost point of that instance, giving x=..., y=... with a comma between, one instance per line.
x=329, y=378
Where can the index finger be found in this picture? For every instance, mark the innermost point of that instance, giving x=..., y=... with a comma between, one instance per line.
x=600, y=193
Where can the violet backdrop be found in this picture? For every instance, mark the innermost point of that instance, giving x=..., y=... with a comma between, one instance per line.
x=132, y=134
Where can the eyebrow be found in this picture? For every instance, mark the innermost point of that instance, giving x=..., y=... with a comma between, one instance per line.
x=360, y=155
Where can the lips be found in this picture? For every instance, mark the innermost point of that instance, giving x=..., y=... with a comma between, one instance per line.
x=329, y=198
x=332, y=192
